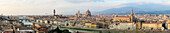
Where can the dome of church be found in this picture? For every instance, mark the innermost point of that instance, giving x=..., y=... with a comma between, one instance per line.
x=87, y=12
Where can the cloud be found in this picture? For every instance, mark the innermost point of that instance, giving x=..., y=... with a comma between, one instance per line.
x=82, y=1
x=69, y=6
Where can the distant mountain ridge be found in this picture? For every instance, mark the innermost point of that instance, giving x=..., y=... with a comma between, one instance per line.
x=127, y=10
x=142, y=8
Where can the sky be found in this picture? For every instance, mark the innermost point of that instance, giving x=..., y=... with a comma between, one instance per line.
x=67, y=7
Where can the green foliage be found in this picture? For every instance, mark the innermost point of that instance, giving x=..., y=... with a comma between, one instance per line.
x=115, y=32
x=100, y=31
x=142, y=21
x=109, y=32
x=66, y=31
x=137, y=32
x=125, y=32
x=0, y=28
x=57, y=30
x=116, y=21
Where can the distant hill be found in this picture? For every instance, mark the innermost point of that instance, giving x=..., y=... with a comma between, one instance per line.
x=127, y=10
x=143, y=8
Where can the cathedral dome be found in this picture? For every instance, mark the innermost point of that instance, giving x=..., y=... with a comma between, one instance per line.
x=87, y=12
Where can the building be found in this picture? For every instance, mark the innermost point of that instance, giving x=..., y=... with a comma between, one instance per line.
x=88, y=13
x=138, y=25
x=54, y=12
x=167, y=24
x=49, y=21
x=94, y=25
x=88, y=24
x=152, y=26
x=125, y=18
x=57, y=16
x=131, y=16
x=122, y=19
x=78, y=14
x=123, y=26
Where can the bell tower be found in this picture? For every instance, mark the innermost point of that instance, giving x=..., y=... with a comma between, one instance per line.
x=54, y=12
x=78, y=13
x=131, y=16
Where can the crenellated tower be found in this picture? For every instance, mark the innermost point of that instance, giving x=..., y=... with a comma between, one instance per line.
x=131, y=16
x=54, y=12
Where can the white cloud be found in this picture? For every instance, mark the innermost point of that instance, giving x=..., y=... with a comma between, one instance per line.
x=82, y=1
x=46, y=6
x=65, y=6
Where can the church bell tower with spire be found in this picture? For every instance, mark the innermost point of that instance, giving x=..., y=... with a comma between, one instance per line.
x=78, y=13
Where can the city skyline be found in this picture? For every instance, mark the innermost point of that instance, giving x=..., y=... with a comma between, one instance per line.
x=84, y=16
x=67, y=7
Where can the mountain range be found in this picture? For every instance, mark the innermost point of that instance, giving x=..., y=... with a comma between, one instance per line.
x=138, y=9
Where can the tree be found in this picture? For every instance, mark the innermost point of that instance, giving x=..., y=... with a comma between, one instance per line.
x=66, y=31
x=57, y=30
x=100, y=31
x=0, y=27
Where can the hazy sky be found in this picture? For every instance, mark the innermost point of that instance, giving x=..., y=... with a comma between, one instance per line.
x=45, y=7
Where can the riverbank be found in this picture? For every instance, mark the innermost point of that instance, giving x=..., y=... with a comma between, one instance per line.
x=113, y=30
